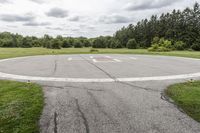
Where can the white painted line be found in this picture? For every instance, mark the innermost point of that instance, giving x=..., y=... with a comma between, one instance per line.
x=133, y=58
x=3, y=60
x=69, y=59
x=160, y=78
x=94, y=60
x=89, y=80
x=108, y=56
x=117, y=60
x=91, y=57
x=86, y=80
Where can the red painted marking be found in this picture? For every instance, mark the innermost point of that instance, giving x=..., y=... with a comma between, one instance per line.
x=103, y=59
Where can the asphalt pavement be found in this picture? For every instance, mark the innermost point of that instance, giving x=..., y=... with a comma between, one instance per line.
x=107, y=93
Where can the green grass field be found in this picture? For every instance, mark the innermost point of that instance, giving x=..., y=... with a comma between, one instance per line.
x=187, y=97
x=20, y=107
x=17, y=52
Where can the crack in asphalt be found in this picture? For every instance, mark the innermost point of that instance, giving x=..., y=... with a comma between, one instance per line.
x=144, y=88
x=110, y=120
x=100, y=107
x=55, y=66
x=95, y=103
x=115, y=79
x=85, y=122
x=108, y=74
x=55, y=122
x=51, y=86
x=74, y=87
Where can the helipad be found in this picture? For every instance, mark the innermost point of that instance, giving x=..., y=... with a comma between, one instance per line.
x=107, y=93
x=99, y=68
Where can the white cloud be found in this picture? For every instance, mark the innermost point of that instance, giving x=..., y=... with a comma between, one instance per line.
x=57, y=13
x=17, y=18
x=79, y=17
x=4, y=1
x=33, y=23
x=149, y=4
x=74, y=18
x=114, y=19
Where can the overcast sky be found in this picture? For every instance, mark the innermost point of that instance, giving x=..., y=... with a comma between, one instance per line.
x=88, y=18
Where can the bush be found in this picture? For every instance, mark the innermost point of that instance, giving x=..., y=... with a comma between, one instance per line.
x=99, y=43
x=155, y=40
x=36, y=43
x=55, y=44
x=132, y=44
x=78, y=44
x=6, y=43
x=92, y=50
x=158, y=49
x=26, y=43
x=196, y=46
x=86, y=43
x=167, y=44
x=66, y=44
x=179, y=45
x=160, y=45
x=163, y=49
x=115, y=44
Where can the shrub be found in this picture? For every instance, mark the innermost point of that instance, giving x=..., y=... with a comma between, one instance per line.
x=36, y=43
x=26, y=43
x=99, y=43
x=167, y=44
x=6, y=43
x=115, y=44
x=179, y=45
x=86, y=43
x=78, y=44
x=66, y=44
x=163, y=49
x=132, y=44
x=159, y=49
x=155, y=40
x=154, y=47
x=55, y=44
x=196, y=46
x=160, y=45
x=94, y=50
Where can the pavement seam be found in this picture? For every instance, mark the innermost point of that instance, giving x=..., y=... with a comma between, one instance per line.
x=85, y=122
x=144, y=88
x=55, y=122
x=55, y=66
x=99, y=106
x=115, y=79
x=109, y=75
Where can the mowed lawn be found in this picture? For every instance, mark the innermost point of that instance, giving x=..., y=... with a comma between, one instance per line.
x=187, y=97
x=18, y=52
x=20, y=107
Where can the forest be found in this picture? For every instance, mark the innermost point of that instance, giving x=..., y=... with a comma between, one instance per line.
x=177, y=30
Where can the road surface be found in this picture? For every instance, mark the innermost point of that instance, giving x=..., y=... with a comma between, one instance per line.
x=107, y=93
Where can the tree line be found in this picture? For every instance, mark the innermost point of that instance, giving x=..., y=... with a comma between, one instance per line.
x=178, y=30
x=8, y=39
x=177, y=26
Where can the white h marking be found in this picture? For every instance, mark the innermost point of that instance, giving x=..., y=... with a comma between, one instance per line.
x=117, y=60
x=69, y=59
x=133, y=58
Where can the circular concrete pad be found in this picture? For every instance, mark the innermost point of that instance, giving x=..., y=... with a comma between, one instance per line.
x=99, y=68
x=114, y=107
